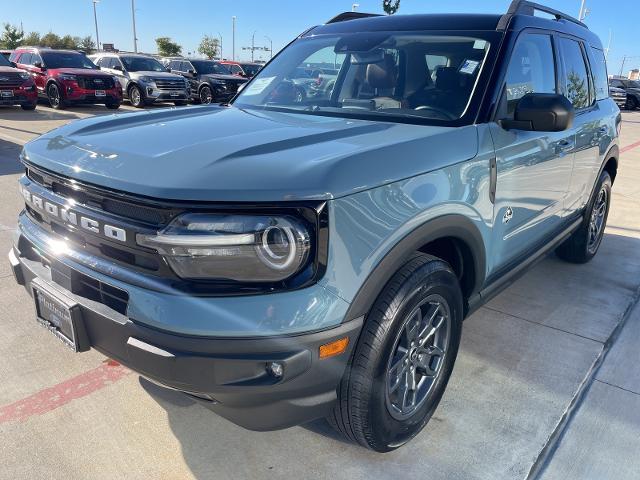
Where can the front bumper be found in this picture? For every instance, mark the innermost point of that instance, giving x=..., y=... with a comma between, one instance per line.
x=228, y=375
x=20, y=96
x=156, y=95
x=73, y=93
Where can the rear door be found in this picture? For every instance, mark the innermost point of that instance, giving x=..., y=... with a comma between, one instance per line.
x=590, y=123
x=533, y=168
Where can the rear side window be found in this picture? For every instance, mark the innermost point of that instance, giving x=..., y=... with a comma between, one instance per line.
x=599, y=70
x=576, y=78
x=531, y=69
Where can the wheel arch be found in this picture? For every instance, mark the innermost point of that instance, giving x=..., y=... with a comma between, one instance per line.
x=454, y=237
x=610, y=164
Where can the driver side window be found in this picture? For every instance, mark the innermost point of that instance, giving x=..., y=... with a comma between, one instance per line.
x=531, y=69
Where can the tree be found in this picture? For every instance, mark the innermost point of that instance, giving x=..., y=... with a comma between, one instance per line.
x=68, y=42
x=32, y=39
x=167, y=47
x=390, y=6
x=50, y=40
x=209, y=47
x=87, y=44
x=11, y=37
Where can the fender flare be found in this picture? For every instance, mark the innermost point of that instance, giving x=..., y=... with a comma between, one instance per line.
x=453, y=225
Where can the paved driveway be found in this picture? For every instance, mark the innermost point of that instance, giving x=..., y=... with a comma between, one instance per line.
x=546, y=384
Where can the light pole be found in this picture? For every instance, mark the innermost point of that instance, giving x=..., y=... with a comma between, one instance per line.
x=354, y=7
x=270, y=46
x=220, y=35
x=233, y=40
x=583, y=11
x=133, y=17
x=95, y=19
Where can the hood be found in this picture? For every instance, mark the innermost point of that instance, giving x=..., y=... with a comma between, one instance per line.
x=220, y=76
x=154, y=74
x=4, y=69
x=211, y=153
x=80, y=71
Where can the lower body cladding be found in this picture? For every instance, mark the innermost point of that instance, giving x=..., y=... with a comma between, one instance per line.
x=260, y=383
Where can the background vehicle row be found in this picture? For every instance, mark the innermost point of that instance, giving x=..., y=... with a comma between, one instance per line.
x=210, y=81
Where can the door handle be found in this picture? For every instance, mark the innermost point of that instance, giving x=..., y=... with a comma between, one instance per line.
x=493, y=179
x=565, y=146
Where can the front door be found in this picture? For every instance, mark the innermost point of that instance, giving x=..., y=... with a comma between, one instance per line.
x=533, y=168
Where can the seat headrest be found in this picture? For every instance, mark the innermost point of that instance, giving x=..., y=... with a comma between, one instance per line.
x=382, y=75
x=448, y=79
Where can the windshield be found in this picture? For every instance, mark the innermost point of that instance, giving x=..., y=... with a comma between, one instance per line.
x=206, y=66
x=250, y=68
x=67, y=60
x=632, y=84
x=396, y=74
x=142, y=64
x=4, y=62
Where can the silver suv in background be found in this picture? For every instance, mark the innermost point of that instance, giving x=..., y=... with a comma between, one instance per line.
x=144, y=79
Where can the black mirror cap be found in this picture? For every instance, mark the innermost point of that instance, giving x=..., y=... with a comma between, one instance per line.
x=543, y=112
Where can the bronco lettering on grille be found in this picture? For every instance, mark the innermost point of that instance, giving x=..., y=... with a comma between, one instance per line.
x=72, y=218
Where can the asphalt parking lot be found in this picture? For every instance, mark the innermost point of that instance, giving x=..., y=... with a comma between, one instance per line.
x=546, y=385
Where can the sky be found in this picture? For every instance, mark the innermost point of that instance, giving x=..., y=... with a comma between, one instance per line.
x=280, y=20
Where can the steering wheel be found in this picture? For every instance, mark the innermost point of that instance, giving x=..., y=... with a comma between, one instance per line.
x=442, y=114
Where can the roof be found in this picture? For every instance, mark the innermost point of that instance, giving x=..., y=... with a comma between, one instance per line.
x=47, y=49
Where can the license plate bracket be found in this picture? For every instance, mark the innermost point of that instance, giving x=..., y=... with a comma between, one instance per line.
x=60, y=314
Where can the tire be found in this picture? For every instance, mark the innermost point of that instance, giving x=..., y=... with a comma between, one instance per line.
x=135, y=96
x=55, y=97
x=583, y=244
x=205, y=95
x=112, y=106
x=632, y=102
x=180, y=103
x=29, y=106
x=369, y=399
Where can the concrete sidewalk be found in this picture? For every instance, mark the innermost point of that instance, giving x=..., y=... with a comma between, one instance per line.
x=546, y=384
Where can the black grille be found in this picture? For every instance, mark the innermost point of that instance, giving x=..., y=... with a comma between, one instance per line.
x=233, y=86
x=13, y=80
x=95, y=83
x=169, y=83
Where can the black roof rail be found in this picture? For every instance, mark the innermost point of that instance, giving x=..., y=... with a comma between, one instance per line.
x=343, y=17
x=525, y=7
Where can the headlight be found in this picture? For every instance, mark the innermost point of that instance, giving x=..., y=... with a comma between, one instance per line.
x=67, y=77
x=244, y=248
x=25, y=76
x=145, y=79
x=214, y=81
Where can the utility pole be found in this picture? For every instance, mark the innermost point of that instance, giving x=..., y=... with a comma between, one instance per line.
x=582, y=14
x=233, y=41
x=354, y=7
x=270, y=47
x=220, y=35
x=133, y=17
x=95, y=19
x=606, y=52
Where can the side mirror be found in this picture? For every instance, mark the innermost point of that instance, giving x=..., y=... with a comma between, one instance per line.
x=117, y=67
x=191, y=71
x=13, y=64
x=168, y=69
x=542, y=112
x=39, y=65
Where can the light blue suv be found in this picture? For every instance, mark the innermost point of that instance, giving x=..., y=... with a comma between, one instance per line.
x=311, y=252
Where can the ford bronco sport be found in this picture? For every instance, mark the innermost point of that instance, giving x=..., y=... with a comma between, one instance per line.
x=281, y=260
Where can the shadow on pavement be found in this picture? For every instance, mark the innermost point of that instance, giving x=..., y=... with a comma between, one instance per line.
x=9, y=158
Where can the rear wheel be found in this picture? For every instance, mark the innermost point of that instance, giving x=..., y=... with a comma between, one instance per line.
x=55, y=97
x=135, y=96
x=583, y=244
x=404, y=358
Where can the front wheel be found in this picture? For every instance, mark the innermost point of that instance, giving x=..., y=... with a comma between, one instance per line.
x=205, y=96
x=135, y=96
x=583, y=244
x=55, y=98
x=632, y=102
x=404, y=358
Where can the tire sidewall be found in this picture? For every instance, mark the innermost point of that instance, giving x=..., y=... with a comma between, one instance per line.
x=390, y=433
x=60, y=104
x=140, y=102
x=603, y=181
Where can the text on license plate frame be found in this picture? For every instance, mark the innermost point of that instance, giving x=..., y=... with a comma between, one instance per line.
x=101, y=93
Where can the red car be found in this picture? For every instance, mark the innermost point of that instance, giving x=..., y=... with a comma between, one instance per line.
x=16, y=86
x=66, y=77
x=242, y=69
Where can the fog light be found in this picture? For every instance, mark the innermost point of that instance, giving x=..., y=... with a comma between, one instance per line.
x=149, y=90
x=276, y=369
